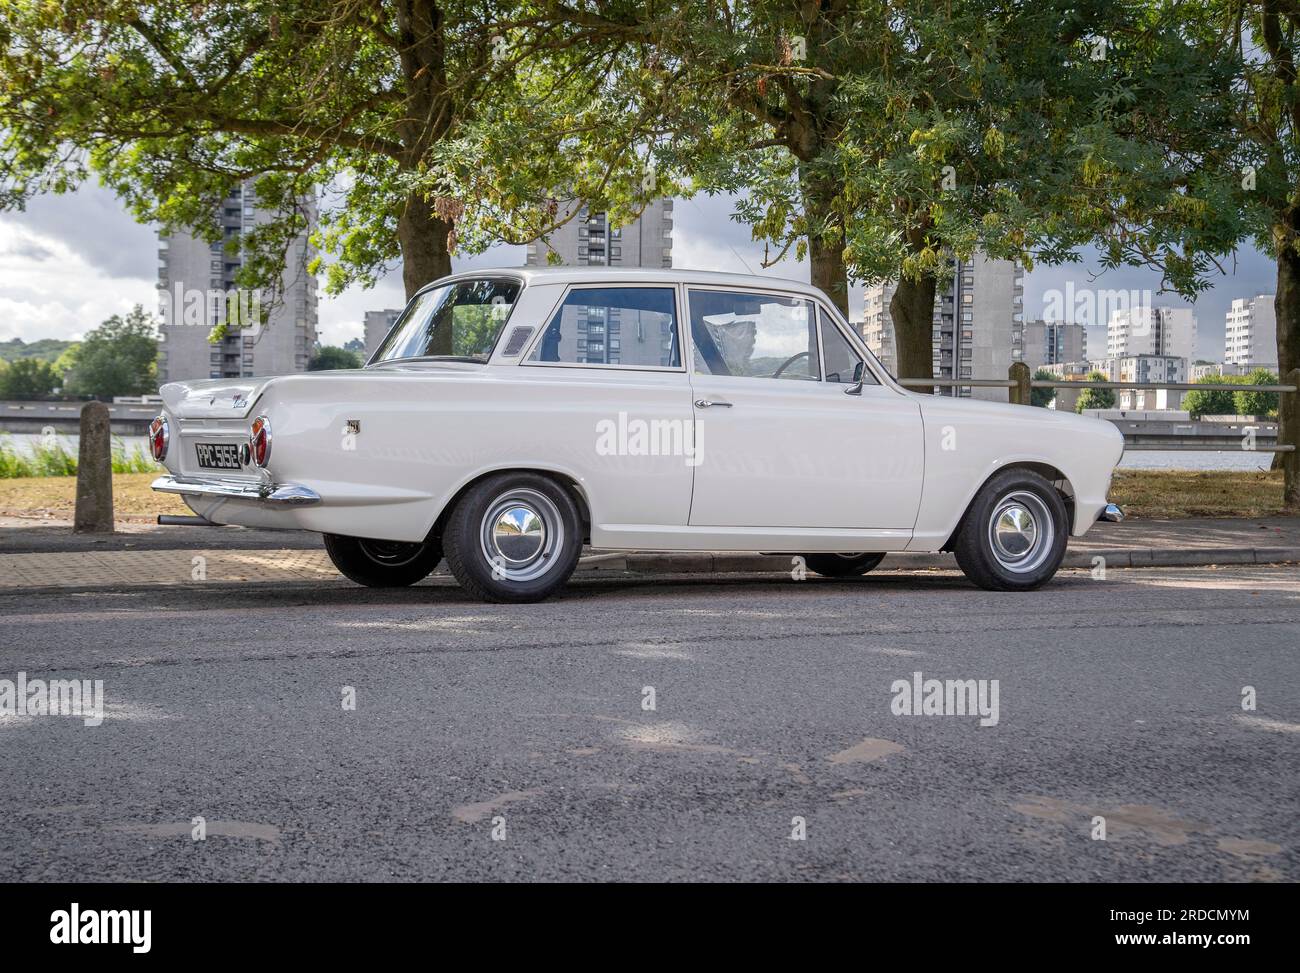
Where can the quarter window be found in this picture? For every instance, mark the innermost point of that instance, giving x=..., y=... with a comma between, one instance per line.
x=457, y=320
x=630, y=326
x=754, y=335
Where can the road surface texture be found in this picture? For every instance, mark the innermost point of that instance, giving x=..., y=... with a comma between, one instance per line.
x=773, y=715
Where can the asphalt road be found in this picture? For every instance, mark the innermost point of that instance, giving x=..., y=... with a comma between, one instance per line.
x=1118, y=698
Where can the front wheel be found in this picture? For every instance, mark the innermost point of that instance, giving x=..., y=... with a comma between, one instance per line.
x=1013, y=536
x=382, y=564
x=842, y=565
x=515, y=537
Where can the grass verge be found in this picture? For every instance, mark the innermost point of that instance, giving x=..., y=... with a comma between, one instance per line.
x=1177, y=494
x=55, y=497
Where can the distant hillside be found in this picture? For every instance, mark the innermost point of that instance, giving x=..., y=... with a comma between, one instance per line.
x=47, y=349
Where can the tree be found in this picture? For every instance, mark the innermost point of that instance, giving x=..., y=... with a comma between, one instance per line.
x=117, y=358
x=46, y=349
x=1263, y=38
x=173, y=103
x=330, y=357
x=357, y=345
x=864, y=138
x=1257, y=403
x=1211, y=402
x=27, y=378
x=882, y=140
x=1042, y=397
x=1096, y=398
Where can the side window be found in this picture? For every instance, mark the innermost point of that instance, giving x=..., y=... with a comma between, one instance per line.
x=754, y=335
x=613, y=326
x=839, y=355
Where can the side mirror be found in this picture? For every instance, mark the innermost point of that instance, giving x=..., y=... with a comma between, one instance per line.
x=859, y=376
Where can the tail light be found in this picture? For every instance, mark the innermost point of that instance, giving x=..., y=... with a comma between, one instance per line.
x=159, y=438
x=259, y=441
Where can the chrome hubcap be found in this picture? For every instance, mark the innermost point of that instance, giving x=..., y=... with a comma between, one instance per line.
x=521, y=535
x=518, y=534
x=1021, y=532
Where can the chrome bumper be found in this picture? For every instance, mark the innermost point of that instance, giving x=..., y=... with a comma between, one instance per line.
x=1111, y=513
x=285, y=494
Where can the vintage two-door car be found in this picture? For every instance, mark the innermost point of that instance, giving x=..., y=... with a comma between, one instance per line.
x=513, y=416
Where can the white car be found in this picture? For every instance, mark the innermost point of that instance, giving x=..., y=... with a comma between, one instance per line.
x=512, y=416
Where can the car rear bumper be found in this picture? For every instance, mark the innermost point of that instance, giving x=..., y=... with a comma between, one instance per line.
x=280, y=495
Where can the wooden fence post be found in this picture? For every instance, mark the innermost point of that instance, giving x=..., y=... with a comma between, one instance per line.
x=1020, y=393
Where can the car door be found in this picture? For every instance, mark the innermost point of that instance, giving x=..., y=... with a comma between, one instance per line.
x=786, y=437
x=603, y=392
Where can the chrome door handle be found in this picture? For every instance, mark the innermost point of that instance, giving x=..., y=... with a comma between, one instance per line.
x=709, y=403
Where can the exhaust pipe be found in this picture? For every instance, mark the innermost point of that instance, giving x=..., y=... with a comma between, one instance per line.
x=176, y=520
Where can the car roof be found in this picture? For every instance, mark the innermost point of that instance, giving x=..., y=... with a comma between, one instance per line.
x=635, y=275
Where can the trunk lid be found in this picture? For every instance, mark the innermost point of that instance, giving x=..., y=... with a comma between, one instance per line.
x=218, y=398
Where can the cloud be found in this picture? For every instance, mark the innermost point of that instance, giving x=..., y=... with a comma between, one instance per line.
x=27, y=247
x=50, y=290
x=93, y=223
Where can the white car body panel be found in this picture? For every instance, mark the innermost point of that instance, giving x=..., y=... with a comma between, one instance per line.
x=791, y=466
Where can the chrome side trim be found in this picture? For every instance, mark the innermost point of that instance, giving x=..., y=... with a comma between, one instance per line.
x=286, y=494
x=1111, y=513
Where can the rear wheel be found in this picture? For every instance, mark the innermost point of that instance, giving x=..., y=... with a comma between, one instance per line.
x=382, y=564
x=842, y=565
x=515, y=537
x=1013, y=537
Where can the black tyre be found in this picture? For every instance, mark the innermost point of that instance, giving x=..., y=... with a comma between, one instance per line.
x=842, y=565
x=515, y=537
x=1014, y=534
x=382, y=564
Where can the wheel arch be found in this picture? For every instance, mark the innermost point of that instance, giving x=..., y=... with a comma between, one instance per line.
x=570, y=484
x=1047, y=471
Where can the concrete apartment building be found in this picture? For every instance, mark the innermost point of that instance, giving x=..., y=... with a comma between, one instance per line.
x=1250, y=333
x=588, y=240
x=975, y=318
x=1042, y=343
x=377, y=326
x=1207, y=370
x=877, y=328
x=1152, y=331
x=1146, y=368
x=196, y=281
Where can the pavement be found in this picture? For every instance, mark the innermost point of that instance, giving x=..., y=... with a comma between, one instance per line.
x=53, y=556
x=735, y=727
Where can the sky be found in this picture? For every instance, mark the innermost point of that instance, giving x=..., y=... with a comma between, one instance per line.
x=68, y=262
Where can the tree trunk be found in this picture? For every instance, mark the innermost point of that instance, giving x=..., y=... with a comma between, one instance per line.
x=423, y=239
x=1286, y=305
x=425, y=257
x=912, y=312
x=829, y=272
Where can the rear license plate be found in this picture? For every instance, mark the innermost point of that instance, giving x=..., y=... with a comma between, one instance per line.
x=218, y=456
